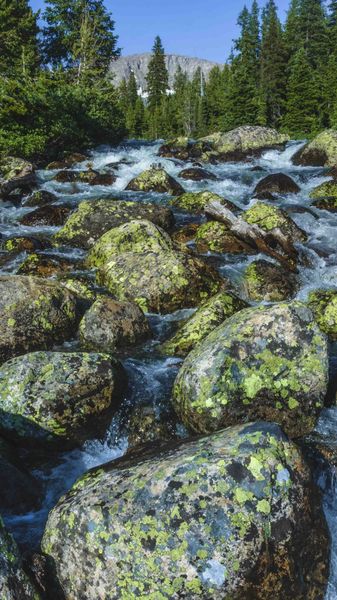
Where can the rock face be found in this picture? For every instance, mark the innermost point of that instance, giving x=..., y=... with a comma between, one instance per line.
x=320, y=152
x=218, y=237
x=92, y=219
x=109, y=325
x=15, y=173
x=209, y=316
x=264, y=280
x=277, y=183
x=244, y=141
x=155, y=180
x=225, y=516
x=266, y=362
x=196, y=201
x=323, y=304
x=34, y=314
x=14, y=583
x=58, y=398
x=270, y=217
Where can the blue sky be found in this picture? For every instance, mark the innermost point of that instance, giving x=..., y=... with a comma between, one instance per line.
x=202, y=28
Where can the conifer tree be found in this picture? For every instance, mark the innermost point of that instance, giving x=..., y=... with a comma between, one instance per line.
x=157, y=76
x=313, y=31
x=301, y=118
x=292, y=31
x=18, y=38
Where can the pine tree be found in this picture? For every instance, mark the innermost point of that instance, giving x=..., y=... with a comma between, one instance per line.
x=314, y=32
x=157, y=76
x=292, y=31
x=18, y=38
x=215, y=93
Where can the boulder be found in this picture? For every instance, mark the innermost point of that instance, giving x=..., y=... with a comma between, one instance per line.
x=209, y=316
x=226, y=516
x=277, y=183
x=155, y=180
x=326, y=190
x=15, y=173
x=94, y=218
x=217, y=237
x=329, y=204
x=51, y=216
x=40, y=198
x=320, y=152
x=323, y=304
x=45, y=266
x=23, y=244
x=34, y=314
x=146, y=426
x=269, y=217
x=58, y=398
x=185, y=234
x=20, y=491
x=14, y=583
x=197, y=174
x=196, y=201
x=269, y=282
x=90, y=176
x=245, y=141
x=267, y=362
x=183, y=148
x=110, y=324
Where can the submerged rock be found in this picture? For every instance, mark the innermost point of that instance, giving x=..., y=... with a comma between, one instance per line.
x=14, y=583
x=266, y=362
x=196, y=201
x=15, y=173
x=209, y=316
x=277, y=183
x=34, y=314
x=59, y=398
x=323, y=304
x=94, y=218
x=197, y=174
x=226, y=516
x=245, y=141
x=270, y=282
x=109, y=325
x=155, y=180
x=50, y=215
x=320, y=152
x=270, y=217
x=218, y=237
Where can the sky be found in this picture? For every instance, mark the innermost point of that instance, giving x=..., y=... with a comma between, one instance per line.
x=200, y=28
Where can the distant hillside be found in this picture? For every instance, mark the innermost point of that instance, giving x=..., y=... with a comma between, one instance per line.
x=138, y=63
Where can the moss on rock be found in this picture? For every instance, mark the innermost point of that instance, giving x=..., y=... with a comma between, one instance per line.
x=270, y=217
x=15, y=173
x=218, y=237
x=196, y=201
x=244, y=141
x=155, y=180
x=328, y=189
x=323, y=304
x=320, y=152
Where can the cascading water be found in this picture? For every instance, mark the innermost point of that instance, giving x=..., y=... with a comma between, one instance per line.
x=151, y=375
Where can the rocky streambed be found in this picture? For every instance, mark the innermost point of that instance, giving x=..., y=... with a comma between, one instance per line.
x=168, y=372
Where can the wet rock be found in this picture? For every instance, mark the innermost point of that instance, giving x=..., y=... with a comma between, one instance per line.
x=94, y=218
x=14, y=583
x=210, y=315
x=183, y=148
x=320, y=152
x=146, y=425
x=196, y=201
x=90, y=176
x=73, y=158
x=245, y=141
x=327, y=191
x=217, y=237
x=50, y=215
x=40, y=198
x=277, y=183
x=67, y=176
x=45, y=266
x=109, y=325
x=135, y=236
x=226, y=516
x=266, y=362
x=15, y=173
x=197, y=174
x=34, y=314
x=185, y=234
x=23, y=244
x=55, y=165
x=265, y=196
x=81, y=288
x=323, y=304
x=20, y=491
x=270, y=282
x=270, y=217
x=329, y=204
x=159, y=282
x=58, y=398
x=155, y=180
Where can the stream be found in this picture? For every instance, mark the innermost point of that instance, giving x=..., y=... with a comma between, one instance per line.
x=151, y=375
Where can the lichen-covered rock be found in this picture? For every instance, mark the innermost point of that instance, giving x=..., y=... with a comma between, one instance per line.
x=34, y=314
x=14, y=583
x=15, y=173
x=277, y=183
x=197, y=174
x=244, y=141
x=59, y=398
x=185, y=234
x=90, y=176
x=218, y=237
x=135, y=236
x=110, y=324
x=209, y=316
x=327, y=190
x=147, y=425
x=320, y=152
x=19, y=244
x=266, y=362
x=155, y=180
x=20, y=491
x=159, y=282
x=50, y=215
x=183, y=148
x=40, y=198
x=45, y=266
x=329, y=204
x=323, y=304
x=196, y=201
x=271, y=282
x=227, y=516
x=270, y=217
x=94, y=218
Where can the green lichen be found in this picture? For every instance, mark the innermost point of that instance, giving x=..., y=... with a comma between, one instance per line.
x=269, y=217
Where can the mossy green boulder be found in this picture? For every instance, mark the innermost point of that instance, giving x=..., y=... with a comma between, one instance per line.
x=209, y=316
x=214, y=236
x=34, y=314
x=328, y=189
x=323, y=304
x=14, y=583
x=155, y=180
x=196, y=201
x=15, y=173
x=241, y=142
x=58, y=398
x=263, y=363
x=320, y=152
x=270, y=282
x=270, y=217
x=94, y=218
x=227, y=516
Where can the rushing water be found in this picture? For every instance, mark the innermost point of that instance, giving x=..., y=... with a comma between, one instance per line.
x=150, y=375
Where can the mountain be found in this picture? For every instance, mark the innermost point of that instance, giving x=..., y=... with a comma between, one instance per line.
x=138, y=63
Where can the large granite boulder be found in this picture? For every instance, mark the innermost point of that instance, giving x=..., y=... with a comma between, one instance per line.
x=155, y=180
x=320, y=152
x=268, y=362
x=15, y=173
x=226, y=516
x=245, y=141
